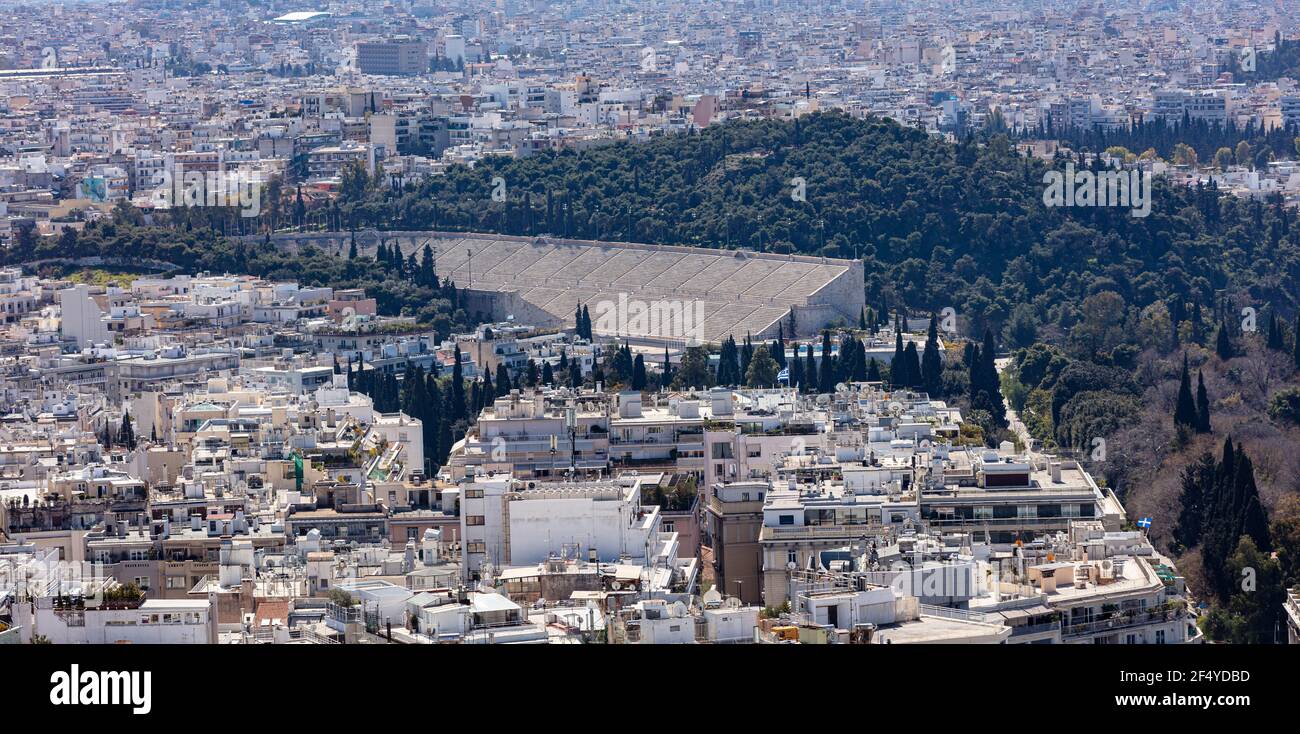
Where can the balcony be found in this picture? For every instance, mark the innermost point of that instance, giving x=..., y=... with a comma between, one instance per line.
x=822, y=532
x=1025, y=630
x=1120, y=621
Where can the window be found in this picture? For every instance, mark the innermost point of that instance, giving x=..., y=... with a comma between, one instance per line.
x=176, y=582
x=474, y=520
x=142, y=582
x=1027, y=511
x=1160, y=637
x=473, y=494
x=792, y=557
x=984, y=513
x=476, y=546
x=786, y=519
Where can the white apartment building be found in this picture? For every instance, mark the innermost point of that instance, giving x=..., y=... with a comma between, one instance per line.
x=19, y=295
x=505, y=522
x=151, y=622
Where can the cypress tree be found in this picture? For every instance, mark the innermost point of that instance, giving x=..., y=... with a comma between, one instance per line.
x=827, y=368
x=913, y=365
x=1296, y=348
x=126, y=434
x=548, y=377
x=1223, y=343
x=1185, y=409
x=1196, y=478
x=1202, y=404
x=457, y=408
x=992, y=386
x=503, y=380
x=931, y=364
x=638, y=373
x=777, y=352
x=873, y=371
x=1253, y=519
x=810, y=371
x=1274, y=332
x=796, y=371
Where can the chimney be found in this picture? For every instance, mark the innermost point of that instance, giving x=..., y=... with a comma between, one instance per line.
x=1056, y=472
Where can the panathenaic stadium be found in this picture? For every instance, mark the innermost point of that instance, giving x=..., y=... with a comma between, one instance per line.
x=648, y=294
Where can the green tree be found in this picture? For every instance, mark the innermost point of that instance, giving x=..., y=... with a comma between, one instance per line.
x=694, y=369
x=762, y=369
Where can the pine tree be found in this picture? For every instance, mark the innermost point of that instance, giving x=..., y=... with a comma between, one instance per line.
x=1202, y=405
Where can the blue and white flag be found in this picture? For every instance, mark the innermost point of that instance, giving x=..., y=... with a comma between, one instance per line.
x=1144, y=523
x=784, y=375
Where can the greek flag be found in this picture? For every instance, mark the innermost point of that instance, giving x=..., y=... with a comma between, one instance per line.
x=1144, y=523
x=784, y=375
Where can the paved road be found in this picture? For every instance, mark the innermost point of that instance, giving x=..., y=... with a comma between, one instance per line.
x=1013, y=420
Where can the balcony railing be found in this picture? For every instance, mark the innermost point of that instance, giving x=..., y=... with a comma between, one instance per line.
x=1034, y=629
x=1120, y=621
